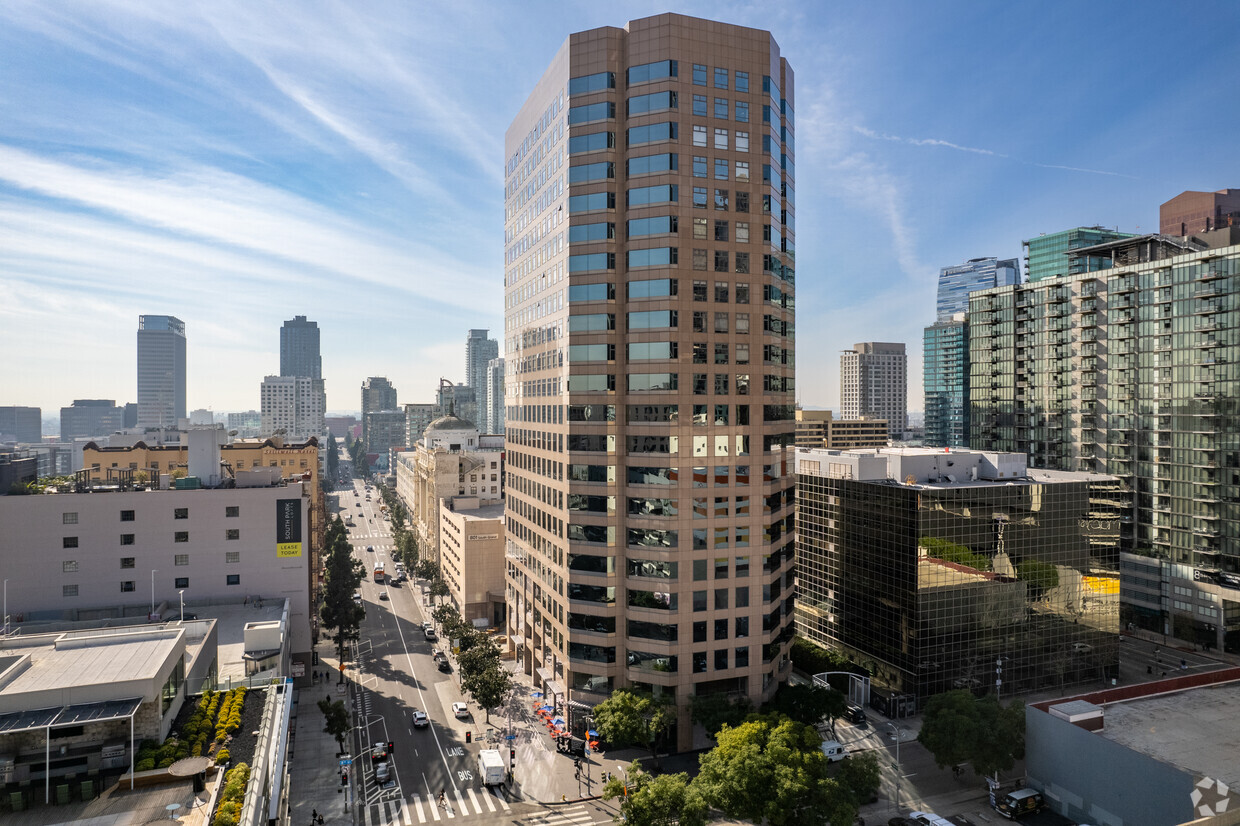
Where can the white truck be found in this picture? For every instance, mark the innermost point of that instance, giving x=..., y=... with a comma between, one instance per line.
x=491, y=767
x=834, y=750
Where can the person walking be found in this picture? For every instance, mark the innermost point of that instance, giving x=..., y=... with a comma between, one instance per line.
x=314, y=817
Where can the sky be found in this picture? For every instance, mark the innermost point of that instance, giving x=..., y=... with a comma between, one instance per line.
x=238, y=163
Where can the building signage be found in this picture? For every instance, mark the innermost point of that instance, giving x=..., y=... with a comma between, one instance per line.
x=299, y=668
x=478, y=537
x=288, y=528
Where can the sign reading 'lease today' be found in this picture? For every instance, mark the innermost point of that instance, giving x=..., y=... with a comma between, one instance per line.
x=288, y=527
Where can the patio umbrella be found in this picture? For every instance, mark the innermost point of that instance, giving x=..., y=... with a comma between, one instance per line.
x=536, y=694
x=558, y=721
x=592, y=733
x=548, y=708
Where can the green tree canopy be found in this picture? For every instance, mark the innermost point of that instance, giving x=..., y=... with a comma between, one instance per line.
x=808, y=704
x=772, y=769
x=336, y=720
x=666, y=800
x=960, y=728
x=713, y=711
x=860, y=775
x=634, y=718
x=338, y=612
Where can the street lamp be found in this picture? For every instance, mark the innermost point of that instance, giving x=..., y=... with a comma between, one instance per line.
x=153, y=591
x=6, y=607
x=182, y=593
x=896, y=732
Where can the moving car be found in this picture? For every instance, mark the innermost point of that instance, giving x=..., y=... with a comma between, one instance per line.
x=445, y=666
x=431, y=636
x=855, y=715
x=834, y=750
x=370, y=548
x=420, y=720
x=460, y=710
x=383, y=595
x=929, y=819
x=383, y=773
x=357, y=597
x=379, y=752
x=1020, y=802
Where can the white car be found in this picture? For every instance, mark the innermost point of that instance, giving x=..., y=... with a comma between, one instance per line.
x=460, y=710
x=420, y=720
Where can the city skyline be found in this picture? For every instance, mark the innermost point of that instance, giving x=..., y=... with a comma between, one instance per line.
x=155, y=159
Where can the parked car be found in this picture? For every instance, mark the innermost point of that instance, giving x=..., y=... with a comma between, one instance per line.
x=856, y=715
x=379, y=752
x=1020, y=802
x=460, y=710
x=420, y=720
x=430, y=634
x=445, y=666
x=383, y=773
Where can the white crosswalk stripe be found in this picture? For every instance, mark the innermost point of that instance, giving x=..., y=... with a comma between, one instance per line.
x=417, y=804
x=500, y=797
x=473, y=798
x=462, y=808
x=489, y=800
x=431, y=811
x=576, y=816
x=404, y=814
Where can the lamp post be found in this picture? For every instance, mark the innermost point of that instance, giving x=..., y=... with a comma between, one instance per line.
x=896, y=731
x=153, y=591
x=182, y=593
x=6, y=608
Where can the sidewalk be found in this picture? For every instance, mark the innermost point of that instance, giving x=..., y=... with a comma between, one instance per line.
x=314, y=781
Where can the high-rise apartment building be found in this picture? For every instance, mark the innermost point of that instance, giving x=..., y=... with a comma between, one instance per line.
x=479, y=350
x=23, y=425
x=1191, y=212
x=493, y=423
x=90, y=417
x=945, y=381
x=161, y=370
x=295, y=405
x=417, y=417
x=874, y=383
x=650, y=506
x=955, y=283
x=1055, y=254
x=377, y=394
x=299, y=348
x=1130, y=371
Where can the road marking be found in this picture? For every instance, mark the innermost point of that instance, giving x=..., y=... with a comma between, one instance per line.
x=461, y=801
x=404, y=813
x=417, y=802
x=473, y=798
x=502, y=802
x=487, y=797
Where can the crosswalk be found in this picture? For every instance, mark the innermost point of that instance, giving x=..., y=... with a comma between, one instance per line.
x=426, y=810
x=571, y=816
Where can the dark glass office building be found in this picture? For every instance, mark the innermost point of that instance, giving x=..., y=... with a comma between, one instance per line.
x=957, y=569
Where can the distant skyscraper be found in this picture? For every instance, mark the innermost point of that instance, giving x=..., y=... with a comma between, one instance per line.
x=1192, y=212
x=479, y=350
x=294, y=404
x=1049, y=256
x=955, y=283
x=21, y=424
x=494, y=423
x=299, y=348
x=874, y=383
x=945, y=376
x=90, y=417
x=161, y=370
x=377, y=394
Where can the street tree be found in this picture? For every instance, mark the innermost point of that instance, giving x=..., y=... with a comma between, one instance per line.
x=490, y=685
x=713, y=711
x=427, y=569
x=336, y=721
x=478, y=657
x=808, y=704
x=634, y=718
x=860, y=775
x=960, y=728
x=333, y=458
x=338, y=612
x=448, y=617
x=666, y=800
x=771, y=769
x=439, y=588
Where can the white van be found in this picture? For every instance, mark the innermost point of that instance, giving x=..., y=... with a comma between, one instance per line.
x=834, y=750
x=930, y=819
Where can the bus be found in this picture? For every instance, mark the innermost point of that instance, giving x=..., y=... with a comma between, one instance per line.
x=379, y=572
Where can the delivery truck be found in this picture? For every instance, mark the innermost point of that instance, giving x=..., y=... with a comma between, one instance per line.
x=491, y=767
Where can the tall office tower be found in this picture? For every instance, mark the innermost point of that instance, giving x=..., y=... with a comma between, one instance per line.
x=90, y=417
x=1056, y=254
x=21, y=424
x=295, y=405
x=672, y=510
x=874, y=383
x=299, y=348
x=1192, y=212
x=945, y=382
x=479, y=350
x=377, y=394
x=1129, y=371
x=494, y=421
x=955, y=283
x=161, y=370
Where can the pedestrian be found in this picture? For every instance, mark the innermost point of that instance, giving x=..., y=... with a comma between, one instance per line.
x=1183, y=665
x=320, y=820
x=314, y=816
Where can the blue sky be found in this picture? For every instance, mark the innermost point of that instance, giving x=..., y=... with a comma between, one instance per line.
x=235, y=164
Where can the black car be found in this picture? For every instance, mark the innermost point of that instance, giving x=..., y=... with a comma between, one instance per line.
x=445, y=666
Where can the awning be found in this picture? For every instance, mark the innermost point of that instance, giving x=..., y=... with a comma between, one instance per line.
x=544, y=674
x=74, y=715
x=555, y=688
x=517, y=640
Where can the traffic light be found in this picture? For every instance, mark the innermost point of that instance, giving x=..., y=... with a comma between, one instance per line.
x=512, y=755
x=391, y=747
x=344, y=778
x=469, y=737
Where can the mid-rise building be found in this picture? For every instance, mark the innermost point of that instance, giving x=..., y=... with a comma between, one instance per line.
x=248, y=424
x=377, y=394
x=471, y=558
x=1128, y=371
x=457, y=400
x=495, y=397
x=21, y=425
x=930, y=567
x=161, y=370
x=385, y=429
x=17, y=469
x=874, y=384
x=299, y=348
x=945, y=379
x=1190, y=213
x=451, y=460
x=293, y=407
x=955, y=283
x=649, y=503
x=417, y=417
x=820, y=428
x=1057, y=253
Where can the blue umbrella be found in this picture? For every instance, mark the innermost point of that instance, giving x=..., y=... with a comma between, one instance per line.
x=548, y=708
x=592, y=733
x=536, y=694
x=558, y=721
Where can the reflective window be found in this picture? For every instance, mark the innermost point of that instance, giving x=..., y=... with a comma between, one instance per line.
x=721, y=169
x=592, y=261
x=652, y=71
x=699, y=74
x=592, y=323
x=640, y=382
x=591, y=112
x=654, y=288
x=742, y=141
x=742, y=81
x=699, y=135
x=640, y=104
x=592, y=83
x=652, y=350
x=656, y=257
x=650, y=133
x=593, y=142
x=721, y=78
x=661, y=194
x=721, y=108
x=648, y=164
x=699, y=105
x=591, y=172
x=578, y=353
x=742, y=111
x=592, y=202
x=592, y=232
x=721, y=139
x=650, y=319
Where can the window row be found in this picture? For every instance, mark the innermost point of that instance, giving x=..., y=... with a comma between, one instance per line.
x=129, y=585
x=719, y=108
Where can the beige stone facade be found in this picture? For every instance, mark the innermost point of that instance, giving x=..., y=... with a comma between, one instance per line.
x=471, y=558
x=649, y=338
